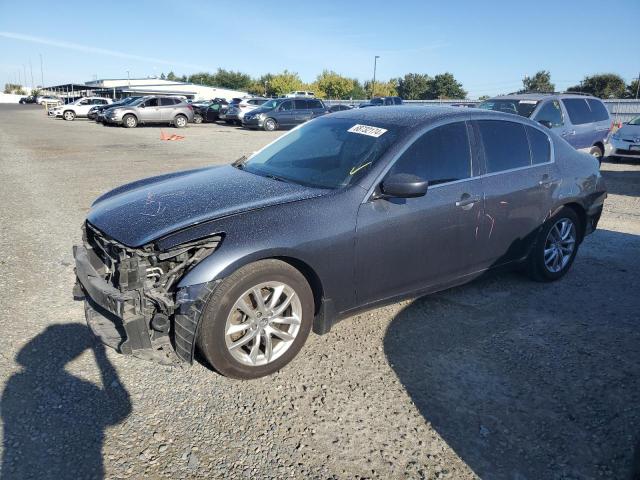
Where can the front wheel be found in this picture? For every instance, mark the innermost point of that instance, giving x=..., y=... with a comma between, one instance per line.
x=69, y=115
x=130, y=121
x=180, y=121
x=256, y=320
x=555, y=247
x=597, y=152
x=197, y=118
x=270, y=125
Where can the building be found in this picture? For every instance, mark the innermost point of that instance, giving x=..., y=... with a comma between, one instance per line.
x=118, y=88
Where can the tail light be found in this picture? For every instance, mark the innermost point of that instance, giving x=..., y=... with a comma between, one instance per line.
x=190, y=106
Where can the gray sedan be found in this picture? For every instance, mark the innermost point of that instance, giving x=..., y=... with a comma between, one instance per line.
x=152, y=110
x=347, y=212
x=625, y=142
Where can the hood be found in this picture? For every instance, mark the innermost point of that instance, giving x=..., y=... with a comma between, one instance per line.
x=140, y=212
x=629, y=131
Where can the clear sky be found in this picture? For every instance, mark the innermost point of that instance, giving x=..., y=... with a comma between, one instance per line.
x=488, y=45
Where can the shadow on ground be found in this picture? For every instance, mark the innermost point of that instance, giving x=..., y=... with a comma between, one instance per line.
x=53, y=421
x=622, y=182
x=526, y=380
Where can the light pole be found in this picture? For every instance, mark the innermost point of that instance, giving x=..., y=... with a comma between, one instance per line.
x=41, y=72
x=373, y=84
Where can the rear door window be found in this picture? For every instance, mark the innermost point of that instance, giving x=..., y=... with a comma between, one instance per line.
x=301, y=104
x=578, y=110
x=285, y=106
x=505, y=145
x=552, y=113
x=599, y=111
x=540, y=146
x=441, y=155
x=166, y=101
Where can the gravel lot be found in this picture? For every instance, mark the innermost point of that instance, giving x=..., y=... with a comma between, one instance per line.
x=501, y=378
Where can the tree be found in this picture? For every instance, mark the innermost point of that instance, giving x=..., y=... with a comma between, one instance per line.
x=604, y=85
x=540, y=82
x=382, y=89
x=14, y=88
x=484, y=97
x=444, y=86
x=357, y=91
x=283, y=83
x=632, y=90
x=414, y=86
x=230, y=79
x=162, y=76
x=172, y=76
x=329, y=84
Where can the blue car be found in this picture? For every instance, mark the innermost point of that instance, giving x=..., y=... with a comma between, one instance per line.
x=582, y=120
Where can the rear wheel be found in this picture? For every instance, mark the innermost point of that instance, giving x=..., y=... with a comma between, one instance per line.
x=130, y=121
x=270, y=125
x=556, y=247
x=69, y=115
x=180, y=121
x=256, y=320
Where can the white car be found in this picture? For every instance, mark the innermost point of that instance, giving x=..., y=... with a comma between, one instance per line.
x=79, y=108
x=47, y=99
x=300, y=94
x=235, y=112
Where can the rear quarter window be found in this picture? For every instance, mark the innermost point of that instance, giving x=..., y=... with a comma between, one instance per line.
x=598, y=110
x=315, y=104
x=540, y=146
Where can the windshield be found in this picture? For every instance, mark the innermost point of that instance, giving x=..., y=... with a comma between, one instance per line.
x=523, y=108
x=635, y=121
x=137, y=102
x=270, y=104
x=325, y=153
x=377, y=101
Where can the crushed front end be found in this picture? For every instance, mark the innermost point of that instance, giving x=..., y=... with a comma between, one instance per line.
x=131, y=299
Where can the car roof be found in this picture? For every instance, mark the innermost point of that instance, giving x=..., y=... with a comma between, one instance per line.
x=540, y=96
x=418, y=116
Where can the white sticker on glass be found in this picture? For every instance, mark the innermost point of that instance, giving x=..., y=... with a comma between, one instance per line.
x=367, y=130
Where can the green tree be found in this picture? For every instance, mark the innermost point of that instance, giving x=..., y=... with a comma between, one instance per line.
x=604, y=85
x=540, y=82
x=484, y=97
x=329, y=84
x=163, y=76
x=283, y=83
x=14, y=88
x=382, y=89
x=445, y=86
x=632, y=90
x=172, y=76
x=232, y=80
x=357, y=91
x=414, y=86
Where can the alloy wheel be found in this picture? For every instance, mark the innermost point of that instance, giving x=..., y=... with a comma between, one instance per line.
x=559, y=245
x=263, y=323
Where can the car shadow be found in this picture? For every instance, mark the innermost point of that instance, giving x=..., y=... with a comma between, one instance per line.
x=53, y=421
x=622, y=182
x=528, y=380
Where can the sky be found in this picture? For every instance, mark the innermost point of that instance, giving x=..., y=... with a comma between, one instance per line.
x=489, y=46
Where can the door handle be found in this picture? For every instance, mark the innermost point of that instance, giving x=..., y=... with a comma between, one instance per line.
x=546, y=181
x=566, y=133
x=467, y=201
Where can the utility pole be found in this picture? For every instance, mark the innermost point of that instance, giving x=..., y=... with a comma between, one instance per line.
x=638, y=87
x=128, y=79
x=41, y=72
x=24, y=70
x=31, y=69
x=373, y=84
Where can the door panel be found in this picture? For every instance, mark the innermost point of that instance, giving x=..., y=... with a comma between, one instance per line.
x=151, y=111
x=404, y=245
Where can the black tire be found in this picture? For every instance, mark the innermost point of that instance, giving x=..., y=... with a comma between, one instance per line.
x=597, y=152
x=211, y=331
x=536, y=267
x=180, y=121
x=129, y=121
x=613, y=159
x=197, y=118
x=69, y=115
x=270, y=125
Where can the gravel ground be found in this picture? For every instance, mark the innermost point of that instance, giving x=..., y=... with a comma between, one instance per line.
x=502, y=378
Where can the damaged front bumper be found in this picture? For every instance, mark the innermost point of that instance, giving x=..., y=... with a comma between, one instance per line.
x=129, y=303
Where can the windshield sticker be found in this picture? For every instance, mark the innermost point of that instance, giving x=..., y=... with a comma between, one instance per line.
x=355, y=170
x=528, y=102
x=367, y=130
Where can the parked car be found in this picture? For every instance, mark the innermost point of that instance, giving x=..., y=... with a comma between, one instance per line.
x=625, y=142
x=300, y=93
x=382, y=102
x=49, y=99
x=225, y=109
x=284, y=112
x=209, y=112
x=78, y=109
x=347, y=212
x=29, y=99
x=152, y=109
x=237, y=111
x=339, y=107
x=582, y=120
x=97, y=112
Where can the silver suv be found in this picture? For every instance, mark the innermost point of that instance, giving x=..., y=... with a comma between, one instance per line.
x=152, y=109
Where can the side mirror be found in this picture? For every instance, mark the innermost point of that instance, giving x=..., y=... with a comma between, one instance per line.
x=142, y=105
x=404, y=185
x=545, y=123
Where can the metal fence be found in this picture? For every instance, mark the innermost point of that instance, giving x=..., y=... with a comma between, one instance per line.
x=621, y=110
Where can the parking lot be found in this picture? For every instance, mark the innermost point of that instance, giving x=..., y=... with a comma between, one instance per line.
x=501, y=378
